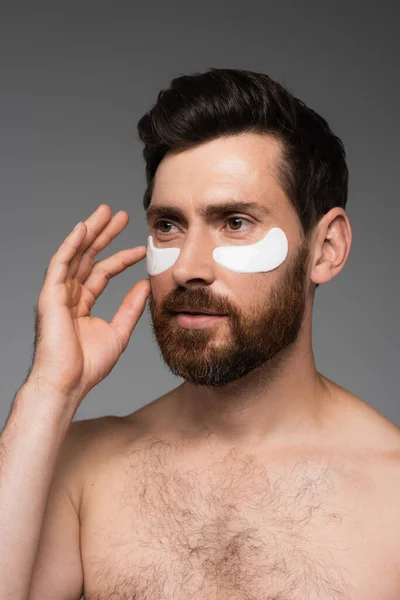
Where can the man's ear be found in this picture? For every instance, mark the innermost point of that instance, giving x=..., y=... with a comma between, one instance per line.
x=331, y=245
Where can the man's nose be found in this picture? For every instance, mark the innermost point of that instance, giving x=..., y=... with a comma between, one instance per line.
x=195, y=260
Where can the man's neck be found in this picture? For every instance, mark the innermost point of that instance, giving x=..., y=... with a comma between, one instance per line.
x=282, y=402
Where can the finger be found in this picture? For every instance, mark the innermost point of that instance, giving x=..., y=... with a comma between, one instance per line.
x=113, y=228
x=61, y=260
x=107, y=268
x=95, y=224
x=130, y=311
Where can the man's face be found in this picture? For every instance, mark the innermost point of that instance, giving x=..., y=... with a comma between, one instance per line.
x=264, y=311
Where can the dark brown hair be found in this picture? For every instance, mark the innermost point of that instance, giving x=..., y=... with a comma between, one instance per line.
x=221, y=102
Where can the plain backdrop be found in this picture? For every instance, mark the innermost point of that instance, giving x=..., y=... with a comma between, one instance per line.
x=75, y=77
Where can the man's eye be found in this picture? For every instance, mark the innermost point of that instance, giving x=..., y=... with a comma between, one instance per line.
x=160, y=223
x=237, y=219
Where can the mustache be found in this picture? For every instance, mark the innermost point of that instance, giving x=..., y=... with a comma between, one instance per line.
x=195, y=300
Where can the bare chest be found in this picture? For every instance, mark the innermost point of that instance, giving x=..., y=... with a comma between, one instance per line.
x=160, y=526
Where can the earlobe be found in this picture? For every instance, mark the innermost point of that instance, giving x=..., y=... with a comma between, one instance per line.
x=332, y=245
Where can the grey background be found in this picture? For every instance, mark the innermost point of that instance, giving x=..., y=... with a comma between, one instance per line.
x=75, y=79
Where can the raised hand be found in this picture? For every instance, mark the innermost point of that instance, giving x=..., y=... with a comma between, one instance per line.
x=73, y=350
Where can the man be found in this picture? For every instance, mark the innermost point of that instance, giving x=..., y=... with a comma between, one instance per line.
x=257, y=477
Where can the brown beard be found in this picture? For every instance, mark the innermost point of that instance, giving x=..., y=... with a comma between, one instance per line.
x=252, y=340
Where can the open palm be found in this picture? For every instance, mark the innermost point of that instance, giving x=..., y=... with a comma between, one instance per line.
x=75, y=351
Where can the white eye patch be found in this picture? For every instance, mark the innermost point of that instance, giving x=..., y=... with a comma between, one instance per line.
x=265, y=255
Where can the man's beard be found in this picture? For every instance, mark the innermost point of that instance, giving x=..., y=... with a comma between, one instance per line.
x=247, y=342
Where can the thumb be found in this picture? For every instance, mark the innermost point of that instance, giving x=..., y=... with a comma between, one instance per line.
x=130, y=311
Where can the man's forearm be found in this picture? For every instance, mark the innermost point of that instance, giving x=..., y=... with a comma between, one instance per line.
x=29, y=447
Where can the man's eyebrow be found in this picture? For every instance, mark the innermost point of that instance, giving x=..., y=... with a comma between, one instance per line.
x=208, y=210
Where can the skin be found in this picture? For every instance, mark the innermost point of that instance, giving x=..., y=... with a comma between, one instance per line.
x=270, y=469
x=283, y=396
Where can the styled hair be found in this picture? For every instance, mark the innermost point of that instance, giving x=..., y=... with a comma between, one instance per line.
x=223, y=102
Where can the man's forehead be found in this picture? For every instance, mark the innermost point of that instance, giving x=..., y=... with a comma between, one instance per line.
x=216, y=198
x=238, y=160
x=218, y=175
x=210, y=187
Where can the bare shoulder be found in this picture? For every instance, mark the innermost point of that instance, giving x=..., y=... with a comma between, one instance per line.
x=360, y=422
x=96, y=441
x=95, y=437
x=368, y=436
x=86, y=443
